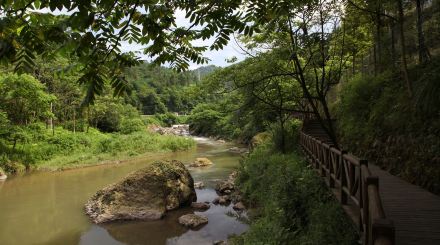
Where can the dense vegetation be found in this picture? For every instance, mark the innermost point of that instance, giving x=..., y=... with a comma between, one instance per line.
x=43, y=123
x=379, y=80
x=290, y=203
x=157, y=90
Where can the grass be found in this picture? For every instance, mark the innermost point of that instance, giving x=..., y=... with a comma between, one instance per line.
x=66, y=149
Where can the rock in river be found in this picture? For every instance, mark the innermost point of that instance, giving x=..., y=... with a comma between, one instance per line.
x=199, y=185
x=225, y=187
x=193, y=220
x=201, y=162
x=145, y=194
x=200, y=205
x=239, y=206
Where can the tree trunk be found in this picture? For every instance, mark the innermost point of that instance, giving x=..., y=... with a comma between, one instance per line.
x=88, y=118
x=51, y=117
x=393, y=46
x=74, y=121
x=378, y=59
x=283, y=136
x=353, y=68
x=403, y=50
x=424, y=55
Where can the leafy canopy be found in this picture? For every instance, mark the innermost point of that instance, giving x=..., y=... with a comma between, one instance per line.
x=92, y=31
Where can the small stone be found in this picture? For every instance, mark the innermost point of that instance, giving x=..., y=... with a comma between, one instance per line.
x=239, y=206
x=199, y=185
x=216, y=200
x=220, y=242
x=227, y=191
x=201, y=162
x=238, y=150
x=193, y=220
x=236, y=197
x=233, y=176
x=223, y=200
x=200, y=205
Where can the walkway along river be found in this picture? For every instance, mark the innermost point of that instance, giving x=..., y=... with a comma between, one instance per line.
x=47, y=207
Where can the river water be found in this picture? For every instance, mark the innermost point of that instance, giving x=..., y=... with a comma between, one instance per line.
x=47, y=207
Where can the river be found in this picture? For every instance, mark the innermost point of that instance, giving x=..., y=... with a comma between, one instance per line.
x=47, y=207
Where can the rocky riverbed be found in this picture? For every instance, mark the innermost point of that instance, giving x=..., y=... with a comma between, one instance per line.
x=178, y=129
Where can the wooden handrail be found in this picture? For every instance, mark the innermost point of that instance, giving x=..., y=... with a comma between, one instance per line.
x=357, y=187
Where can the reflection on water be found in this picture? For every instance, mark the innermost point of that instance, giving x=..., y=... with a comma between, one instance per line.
x=47, y=208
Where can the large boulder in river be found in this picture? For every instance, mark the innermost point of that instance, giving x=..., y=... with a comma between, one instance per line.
x=145, y=194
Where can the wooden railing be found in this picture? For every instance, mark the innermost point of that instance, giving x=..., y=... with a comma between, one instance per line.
x=355, y=185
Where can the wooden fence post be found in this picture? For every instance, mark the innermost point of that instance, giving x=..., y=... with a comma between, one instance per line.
x=363, y=191
x=344, y=196
x=368, y=235
x=382, y=229
x=331, y=181
x=323, y=159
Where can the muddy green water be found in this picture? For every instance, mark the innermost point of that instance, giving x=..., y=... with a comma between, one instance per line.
x=47, y=207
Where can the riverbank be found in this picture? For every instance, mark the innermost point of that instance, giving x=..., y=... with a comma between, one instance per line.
x=63, y=149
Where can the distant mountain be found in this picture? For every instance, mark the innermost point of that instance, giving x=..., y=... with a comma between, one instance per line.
x=205, y=70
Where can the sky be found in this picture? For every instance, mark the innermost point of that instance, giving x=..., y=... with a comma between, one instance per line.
x=217, y=57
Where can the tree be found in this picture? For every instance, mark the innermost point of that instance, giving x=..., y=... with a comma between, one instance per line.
x=24, y=99
x=401, y=21
x=424, y=54
x=308, y=33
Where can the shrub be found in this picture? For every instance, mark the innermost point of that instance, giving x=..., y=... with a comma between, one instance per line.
x=291, y=203
x=109, y=122
x=204, y=119
x=131, y=125
x=290, y=134
x=152, y=120
x=168, y=118
x=7, y=166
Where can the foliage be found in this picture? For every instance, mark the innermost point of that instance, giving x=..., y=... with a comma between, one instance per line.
x=24, y=98
x=152, y=120
x=291, y=204
x=156, y=90
x=286, y=139
x=131, y=125
x=378, y=121
x=204, y=120
x=67, y=149
x=168, y=118
x=108, y=112
x=93, y=32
